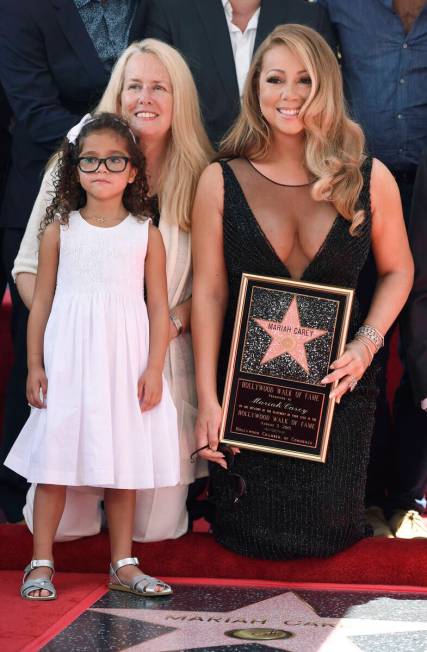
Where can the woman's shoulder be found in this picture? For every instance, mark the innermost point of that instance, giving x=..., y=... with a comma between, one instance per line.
x=380, y=173
x=211, y=177
x=214, y=173
x=375, y=172
x=384, y=190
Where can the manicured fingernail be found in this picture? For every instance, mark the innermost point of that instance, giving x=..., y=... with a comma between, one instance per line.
x=324, y=380
x=332, y=366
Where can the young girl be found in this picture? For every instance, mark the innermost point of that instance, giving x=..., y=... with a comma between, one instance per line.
x=94, y=364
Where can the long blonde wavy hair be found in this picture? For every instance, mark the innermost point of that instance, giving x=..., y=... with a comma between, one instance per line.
x=334, y=144
x=189, y=150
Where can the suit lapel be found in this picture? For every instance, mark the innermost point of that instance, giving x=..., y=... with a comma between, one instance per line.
x=79, y=39
x=136, y=32
x=212, y=16
x=268, y=19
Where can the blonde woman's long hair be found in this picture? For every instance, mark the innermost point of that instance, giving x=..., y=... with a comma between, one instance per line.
x=189, y=150
x=334, y=144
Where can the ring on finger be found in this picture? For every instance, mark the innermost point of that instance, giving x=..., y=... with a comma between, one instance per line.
x=353, y=383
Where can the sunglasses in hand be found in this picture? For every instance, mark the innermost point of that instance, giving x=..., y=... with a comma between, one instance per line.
x=238, y=484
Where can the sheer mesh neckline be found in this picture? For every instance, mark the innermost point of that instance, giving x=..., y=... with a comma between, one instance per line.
x=262, y=199
x=276, y=183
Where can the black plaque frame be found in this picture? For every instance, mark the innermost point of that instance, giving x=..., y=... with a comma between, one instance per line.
x=283, y=409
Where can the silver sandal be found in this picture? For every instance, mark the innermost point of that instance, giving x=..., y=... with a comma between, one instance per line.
x=39, y=583
x=142, y=584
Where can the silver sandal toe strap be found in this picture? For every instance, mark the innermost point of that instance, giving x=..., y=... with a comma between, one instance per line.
x=148, y=585
x=38, y=584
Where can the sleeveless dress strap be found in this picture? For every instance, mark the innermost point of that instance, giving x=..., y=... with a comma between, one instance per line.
x=365, y=193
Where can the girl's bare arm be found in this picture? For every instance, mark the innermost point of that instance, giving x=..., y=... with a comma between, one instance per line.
x=39, y=314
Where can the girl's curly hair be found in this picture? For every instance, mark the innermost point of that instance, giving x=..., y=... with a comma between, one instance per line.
x=68, y=195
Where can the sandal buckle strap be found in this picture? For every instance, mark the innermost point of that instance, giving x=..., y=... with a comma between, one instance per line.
x=128, y=561
x=38, y=563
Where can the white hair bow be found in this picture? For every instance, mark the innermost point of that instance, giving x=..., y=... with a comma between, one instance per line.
x=74, y=132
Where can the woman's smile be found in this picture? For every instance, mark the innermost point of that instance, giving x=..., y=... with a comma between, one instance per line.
x=147, y=97
x=288, y=113
x=146, y=115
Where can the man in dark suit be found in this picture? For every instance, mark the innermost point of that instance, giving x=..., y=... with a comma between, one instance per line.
x=56, y=57
x=5, y=141
x=206, y=32
x=410, y=478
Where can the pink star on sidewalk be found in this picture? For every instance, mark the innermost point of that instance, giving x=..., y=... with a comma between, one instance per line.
x=288, y=336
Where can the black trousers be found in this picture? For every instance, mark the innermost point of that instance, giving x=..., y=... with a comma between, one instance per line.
x=13, y=487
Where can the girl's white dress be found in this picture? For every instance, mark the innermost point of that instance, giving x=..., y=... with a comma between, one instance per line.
x=92, y=431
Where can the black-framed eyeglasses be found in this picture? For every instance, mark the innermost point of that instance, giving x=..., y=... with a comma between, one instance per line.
x=112, y=163
x=238, y=484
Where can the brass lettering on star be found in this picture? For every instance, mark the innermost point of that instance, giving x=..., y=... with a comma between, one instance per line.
x=288, y=336
x=247, y=621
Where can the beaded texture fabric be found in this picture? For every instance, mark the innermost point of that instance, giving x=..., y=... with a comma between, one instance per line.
x=294, y=508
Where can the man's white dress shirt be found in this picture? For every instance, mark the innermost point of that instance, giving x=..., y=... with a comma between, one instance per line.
x=242, y=43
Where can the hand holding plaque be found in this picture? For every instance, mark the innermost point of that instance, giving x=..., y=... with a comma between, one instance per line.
x=286, y=335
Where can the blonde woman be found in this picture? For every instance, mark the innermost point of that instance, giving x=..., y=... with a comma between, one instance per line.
x=294, y=195
x=152, y=87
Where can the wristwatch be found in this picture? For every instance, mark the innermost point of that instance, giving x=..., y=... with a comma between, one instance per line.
x=176, y=322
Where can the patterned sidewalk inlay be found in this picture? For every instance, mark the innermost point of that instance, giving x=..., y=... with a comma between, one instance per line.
x=233, y=619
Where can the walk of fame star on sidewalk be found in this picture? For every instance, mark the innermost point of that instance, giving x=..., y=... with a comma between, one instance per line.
x=310, y=632
x=288, y=336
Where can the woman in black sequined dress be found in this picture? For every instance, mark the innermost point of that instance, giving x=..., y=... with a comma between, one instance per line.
x=294, y=196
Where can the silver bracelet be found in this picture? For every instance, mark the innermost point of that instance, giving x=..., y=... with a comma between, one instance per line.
x=176, y=322
x=372, y=334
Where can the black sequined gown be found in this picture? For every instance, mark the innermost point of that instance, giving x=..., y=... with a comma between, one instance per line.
x=293, y=507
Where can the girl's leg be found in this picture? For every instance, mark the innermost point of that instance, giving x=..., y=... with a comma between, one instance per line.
x=82, y=516
x=49, y=504
x=120, y=510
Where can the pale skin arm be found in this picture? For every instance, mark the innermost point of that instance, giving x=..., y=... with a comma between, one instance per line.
x=26, y=283
x=395, y=275
x=39, y=314
x=27, y=258
x=150, y=383
x=210, y=296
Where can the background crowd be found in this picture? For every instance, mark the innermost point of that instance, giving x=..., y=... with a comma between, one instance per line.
x=56, y=57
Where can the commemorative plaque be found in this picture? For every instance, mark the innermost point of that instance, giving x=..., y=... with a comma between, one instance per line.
x=286, y=335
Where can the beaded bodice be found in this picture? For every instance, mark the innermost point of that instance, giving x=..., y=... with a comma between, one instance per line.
x=338, y=260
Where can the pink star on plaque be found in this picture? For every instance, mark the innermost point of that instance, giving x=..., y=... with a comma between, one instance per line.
x=288, y=336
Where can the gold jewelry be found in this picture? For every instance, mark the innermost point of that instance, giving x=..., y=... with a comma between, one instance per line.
x=101, y=220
